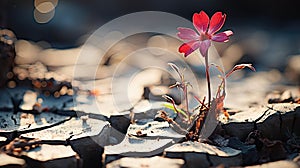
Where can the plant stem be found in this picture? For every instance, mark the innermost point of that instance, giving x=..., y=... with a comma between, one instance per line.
x=186, y=101
x=208, y=79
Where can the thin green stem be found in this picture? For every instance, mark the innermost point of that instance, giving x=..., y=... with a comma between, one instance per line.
x=208, y=79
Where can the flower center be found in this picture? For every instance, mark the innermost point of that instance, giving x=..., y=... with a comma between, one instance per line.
x=204, y=36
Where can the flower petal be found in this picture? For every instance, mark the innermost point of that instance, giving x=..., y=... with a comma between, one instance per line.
x=201, y=21
x=228, y=32
x=188, y=48
x=187, y=34
x=222, y=37
x=204, y=45
x=216, y=22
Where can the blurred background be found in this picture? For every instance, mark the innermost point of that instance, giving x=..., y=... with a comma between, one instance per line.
x=51, y=32
x=62, y=22
x=266, y=33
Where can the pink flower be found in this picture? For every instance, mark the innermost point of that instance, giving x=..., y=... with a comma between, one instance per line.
x=206, y=33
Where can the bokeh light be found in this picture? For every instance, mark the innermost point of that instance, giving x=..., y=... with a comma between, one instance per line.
x=45, y=7
x=44, y=10
x=43, y=17
x=38, y=2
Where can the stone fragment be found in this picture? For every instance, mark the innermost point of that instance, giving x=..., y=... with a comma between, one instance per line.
x=72, y=130
x=152, y=162
x=87, y=136
x=136, y=147
x=273, y=120
x=154, y=129
x=26, y=121
x=249, y=152
x=7, y=161
x=49, y=156
x=203, y=155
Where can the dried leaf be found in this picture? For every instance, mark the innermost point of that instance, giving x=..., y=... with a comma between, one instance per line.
x=226, y=114
x=210, y=121
x=240, y=67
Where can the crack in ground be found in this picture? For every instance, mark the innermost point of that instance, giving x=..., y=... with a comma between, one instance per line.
x=294, y=123
x=70, y=113
x=259, y=118
x=208, y=159
x=16, y=133
x=281, y=120
x=15, y=120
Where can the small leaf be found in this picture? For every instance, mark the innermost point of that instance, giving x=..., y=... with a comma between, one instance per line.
x=176, y=69
x=168, y=98
x=170, y=106
x=240, y=67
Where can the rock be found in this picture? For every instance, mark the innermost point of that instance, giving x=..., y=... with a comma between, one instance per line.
x=87, y=136
x=277, y=164
x=49, y=156
x=154, y=129
x=268, y=150
x=3, y=141
x=156, y=161
x=10, y=161
x=136, y=147
x=15, y=124
x=273, y=97
x=45, y=154
x=249, y=152
x=156, y=135
x=273, y=151
x=203, y=155
x=286, y=96
x=277, y=97
x=242, y=123
x=72, y=129
x=274, y=121
x=148, y=110
x=141, y=111
x=120, y=122
x=289, y=117
x=89, y=150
